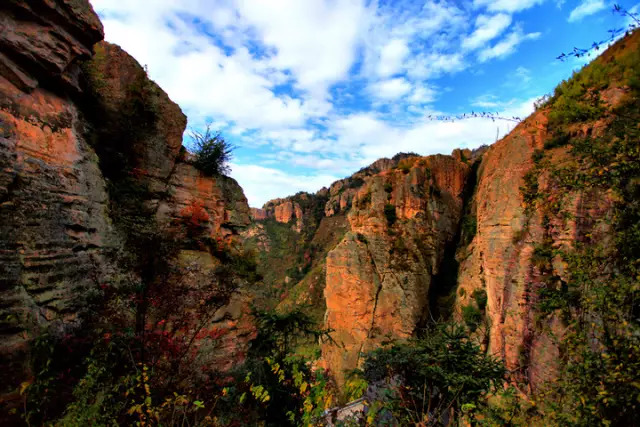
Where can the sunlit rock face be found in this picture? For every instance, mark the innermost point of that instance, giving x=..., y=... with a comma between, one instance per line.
x=500, y=258
x=378, y=277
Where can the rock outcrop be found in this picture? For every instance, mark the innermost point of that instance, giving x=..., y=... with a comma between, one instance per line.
x=378, y=277
x=75, y=127
x=284, y=211
x=503, y=259
x=54, y=228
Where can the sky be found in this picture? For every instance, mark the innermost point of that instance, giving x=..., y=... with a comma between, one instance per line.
x=310, y=91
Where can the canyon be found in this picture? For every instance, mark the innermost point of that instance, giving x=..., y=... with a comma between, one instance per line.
x=91, y=148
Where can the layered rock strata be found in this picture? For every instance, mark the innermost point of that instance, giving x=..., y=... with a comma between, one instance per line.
x=76, y=122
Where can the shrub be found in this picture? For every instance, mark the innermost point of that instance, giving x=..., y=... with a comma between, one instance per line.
x=443, y=372
x=405, y=166
x=542, y=102
x=480, y=295
x=537, y=156
x=469, y=228
x=356, y=182
x=213, y=152
x=472, y=316
x=390, y=213
x=559, y=139
x=365, y=200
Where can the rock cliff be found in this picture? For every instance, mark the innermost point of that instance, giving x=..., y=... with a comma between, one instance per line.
x=369, y=249
x=95, y=185
x=485, y=235
x=378, y=277
x=525, y=211
x=82, y=131
x=54, y=228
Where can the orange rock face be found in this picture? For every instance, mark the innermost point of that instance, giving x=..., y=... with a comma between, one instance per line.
x=282, y=210
x=223, y=205
x=499, y=259
x=121, y=90
x=494, y=262
x=53, y=204
x=378, y=277
x=258, y=214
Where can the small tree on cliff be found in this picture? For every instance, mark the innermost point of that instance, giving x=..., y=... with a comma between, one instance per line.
x=213, y=152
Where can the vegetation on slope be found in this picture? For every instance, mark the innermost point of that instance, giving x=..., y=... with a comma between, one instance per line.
x=597, y=296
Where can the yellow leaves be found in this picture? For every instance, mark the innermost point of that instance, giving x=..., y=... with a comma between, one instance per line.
x=24, y=386
x=328, y=401
x=303, y=386
x=276, y=369
x=259, y=393
x=135, y=409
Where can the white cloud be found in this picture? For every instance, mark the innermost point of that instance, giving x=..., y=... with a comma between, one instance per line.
x=375, y=138
x=485, y=101
x=422, y=95
x=510, y=6
x=434, y=64
x=586, y=8
x=487, y=28
x=506, y=46
x=313, y=38
x=392, y=56
x=261, y=184
x=276, y=76
x=390, y=89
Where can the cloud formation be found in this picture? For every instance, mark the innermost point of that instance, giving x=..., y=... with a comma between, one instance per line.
x=312, y=90
x=586, y=8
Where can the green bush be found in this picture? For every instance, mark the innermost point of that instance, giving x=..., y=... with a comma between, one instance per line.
x=365, y=200
x=445, y=365
x=356, y=182
x=559, y=139
x=472, y=316
x=480, y=296
x=213, y=153
x=390, y=213
x=469, y=228
x=537, y=156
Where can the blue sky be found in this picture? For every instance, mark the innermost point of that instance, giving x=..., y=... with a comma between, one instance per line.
x=312, y=90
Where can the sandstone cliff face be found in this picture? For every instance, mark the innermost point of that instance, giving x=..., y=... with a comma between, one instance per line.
x=284, y=211
x=53, y=224
x=493, y=262
x=502, y=261
x=378, y=277
x=42, y=41
x=136, y=128
x=73, y=126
